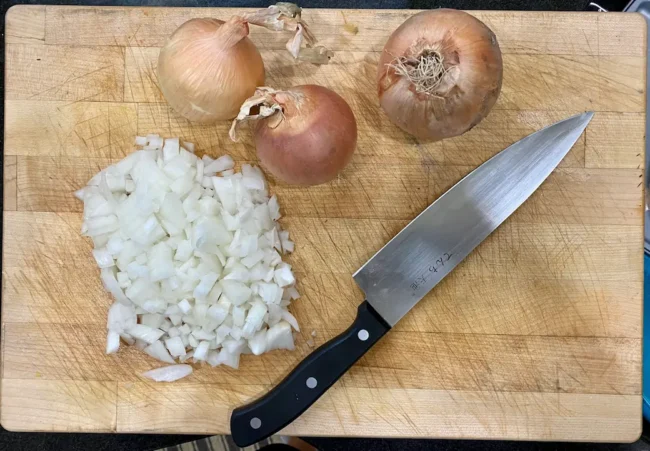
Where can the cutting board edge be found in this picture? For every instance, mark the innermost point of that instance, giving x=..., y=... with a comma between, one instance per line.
x=81, y=7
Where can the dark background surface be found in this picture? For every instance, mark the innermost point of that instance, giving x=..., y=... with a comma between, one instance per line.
x=131, y=442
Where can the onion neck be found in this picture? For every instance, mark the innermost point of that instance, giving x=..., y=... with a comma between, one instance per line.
x=263, y=104
x=232, y=31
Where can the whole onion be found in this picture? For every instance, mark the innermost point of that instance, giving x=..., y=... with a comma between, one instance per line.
x=305, y=135
x=439, y=74
x=209, y=67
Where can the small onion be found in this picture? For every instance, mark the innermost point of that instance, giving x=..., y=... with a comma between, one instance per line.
x=209, y=67
x=305, y=135
x=439, y=74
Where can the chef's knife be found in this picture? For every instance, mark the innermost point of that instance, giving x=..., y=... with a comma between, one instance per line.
x=410, y=265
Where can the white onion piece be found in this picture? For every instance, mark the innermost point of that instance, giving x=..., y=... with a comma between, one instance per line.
x=279, y=337
x=201, y=351
x=175, y=346
x=274, y=208
x=283, y=276
x=158, y=351
x=184, y=306
x=145, y=333
x=220, y=164
x=254, y=319
x=168, y=373
x=217, y=313
x=228, y=359
x=152, y=320
x=237, y=292
x=191, y=252
x=113, y=287
x=121, y=317
x=234, y=346
x=103, y=258
x=112, y=342
x=288, y=317
x=257, y=343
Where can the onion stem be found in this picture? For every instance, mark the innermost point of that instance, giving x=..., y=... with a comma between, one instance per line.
x=285, y=16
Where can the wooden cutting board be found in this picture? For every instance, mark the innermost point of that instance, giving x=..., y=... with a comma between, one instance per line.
x=537, y=335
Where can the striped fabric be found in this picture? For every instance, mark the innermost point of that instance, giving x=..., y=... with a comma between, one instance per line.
x=221, y=443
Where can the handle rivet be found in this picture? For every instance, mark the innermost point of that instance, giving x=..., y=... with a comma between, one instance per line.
x=256, y=423
x=312, y=382
x=363, y=335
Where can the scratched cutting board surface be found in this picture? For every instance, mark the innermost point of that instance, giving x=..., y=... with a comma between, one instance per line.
x=537, y=335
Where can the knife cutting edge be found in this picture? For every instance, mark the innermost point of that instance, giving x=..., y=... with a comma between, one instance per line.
x=402, y=272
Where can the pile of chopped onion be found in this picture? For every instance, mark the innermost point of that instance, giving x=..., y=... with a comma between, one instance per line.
x=192, y=258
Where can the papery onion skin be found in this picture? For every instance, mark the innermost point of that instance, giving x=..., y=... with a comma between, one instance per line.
x=208, y=67
x=469, y=92
x=313, y=142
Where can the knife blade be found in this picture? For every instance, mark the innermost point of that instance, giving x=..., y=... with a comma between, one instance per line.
x=402, y=272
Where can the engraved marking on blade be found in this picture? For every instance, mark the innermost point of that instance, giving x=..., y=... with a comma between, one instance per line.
x=432, y=268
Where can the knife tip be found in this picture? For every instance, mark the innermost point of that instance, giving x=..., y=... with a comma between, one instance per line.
x=587, y=116
x=581, y=120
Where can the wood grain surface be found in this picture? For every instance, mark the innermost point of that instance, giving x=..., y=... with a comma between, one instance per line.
x=536, y=336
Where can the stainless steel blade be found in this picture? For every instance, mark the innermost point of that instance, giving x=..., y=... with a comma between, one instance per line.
x=440, y=237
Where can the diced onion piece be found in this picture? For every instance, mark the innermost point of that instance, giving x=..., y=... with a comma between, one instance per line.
x=173, y=332
x=153, y=320
x=274, y=208
x=254, y=319
x=175, y=346
x=158, y=351
x=228, y=359
x=169, y=373
x=271, y=293
x=220, y=164
x=238, y=316
x=113, y=287
x=293, y=293
x=121, y=317
x=283, y=276
x=205, y=285
x=201, y=351
x=154, y=305
x=145, y=333
x=185, y=306
x=165, y=326
x=279, y=337
x=203, y=335
x=112, y=342
x=217, y=313
x=289, y=318
x=236, y=291
x=257, y=343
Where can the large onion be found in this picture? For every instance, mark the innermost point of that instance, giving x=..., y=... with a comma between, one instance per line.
x=208, y=67
x=439, y=74
x=305, y=135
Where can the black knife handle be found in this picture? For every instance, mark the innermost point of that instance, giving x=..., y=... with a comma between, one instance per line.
x=308, y=381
